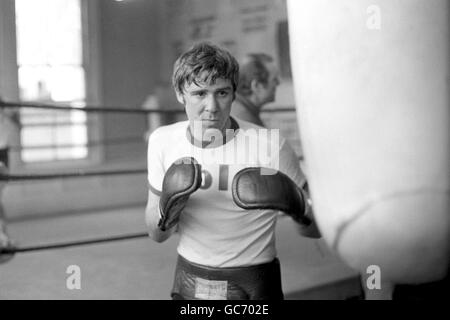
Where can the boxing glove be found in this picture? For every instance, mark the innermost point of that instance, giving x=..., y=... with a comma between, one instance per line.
x=181, y=179
x=252, y=190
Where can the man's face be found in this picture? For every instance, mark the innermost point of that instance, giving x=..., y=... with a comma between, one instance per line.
x=267, y=92
x=208, y=105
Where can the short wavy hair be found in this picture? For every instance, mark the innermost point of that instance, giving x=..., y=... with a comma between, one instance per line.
x=253, y=67
x=204, y=63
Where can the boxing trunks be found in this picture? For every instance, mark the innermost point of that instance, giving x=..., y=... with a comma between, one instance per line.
x=258, y=282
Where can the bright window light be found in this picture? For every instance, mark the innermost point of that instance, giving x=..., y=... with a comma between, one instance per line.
x=50, y=69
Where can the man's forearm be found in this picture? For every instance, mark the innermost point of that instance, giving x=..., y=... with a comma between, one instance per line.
x=311, y=230
x=152, y=219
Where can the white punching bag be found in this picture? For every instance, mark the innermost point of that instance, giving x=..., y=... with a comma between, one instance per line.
x=372, y=91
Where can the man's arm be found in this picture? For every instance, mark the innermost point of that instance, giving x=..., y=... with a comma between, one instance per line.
x=290, y=165
x=152, y=217
x=253, y=189
x=163, y=212
x=311, y=230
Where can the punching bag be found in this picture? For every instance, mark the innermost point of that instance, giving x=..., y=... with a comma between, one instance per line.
x=371, y=83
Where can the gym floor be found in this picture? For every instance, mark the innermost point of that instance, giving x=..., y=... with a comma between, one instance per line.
x=143, y=269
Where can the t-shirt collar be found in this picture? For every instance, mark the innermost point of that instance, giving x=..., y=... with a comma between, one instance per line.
x=204, y=144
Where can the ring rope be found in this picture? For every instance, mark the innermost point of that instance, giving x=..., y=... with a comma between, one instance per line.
x=5, y=104
x=78, y=174
x=12, y=250
x=137, y=139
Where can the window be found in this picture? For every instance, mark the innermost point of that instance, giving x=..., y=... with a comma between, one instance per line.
x=51, y=70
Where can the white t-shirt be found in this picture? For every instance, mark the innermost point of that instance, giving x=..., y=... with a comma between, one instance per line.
x=213, y=230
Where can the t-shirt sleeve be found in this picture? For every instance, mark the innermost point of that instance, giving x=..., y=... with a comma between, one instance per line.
x=155, y=163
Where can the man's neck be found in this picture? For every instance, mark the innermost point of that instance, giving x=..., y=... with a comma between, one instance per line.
x=251, y=103
x=226, y=134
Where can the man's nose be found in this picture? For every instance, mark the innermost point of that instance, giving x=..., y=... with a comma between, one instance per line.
x=211, y=104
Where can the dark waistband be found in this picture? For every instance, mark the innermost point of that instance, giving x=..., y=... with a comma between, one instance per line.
x=212, y=272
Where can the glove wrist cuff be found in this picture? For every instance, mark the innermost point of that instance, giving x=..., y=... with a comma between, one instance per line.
x=161, y=220
x=305, y=218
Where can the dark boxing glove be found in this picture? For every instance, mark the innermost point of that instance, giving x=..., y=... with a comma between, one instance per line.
x=181, y=179
x=252, y=190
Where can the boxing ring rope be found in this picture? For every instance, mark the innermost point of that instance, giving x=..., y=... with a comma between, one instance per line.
x=32, y=105
x=75, y=243
x=96, y=143
x=13, y=250
x=60, y=245
x=77, y=174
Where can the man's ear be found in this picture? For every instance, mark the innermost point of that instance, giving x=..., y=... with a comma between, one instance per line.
x=180, y=97
x=255, y=85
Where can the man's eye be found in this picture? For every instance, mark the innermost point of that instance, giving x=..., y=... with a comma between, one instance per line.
x=223, y=93
x=200, y=94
